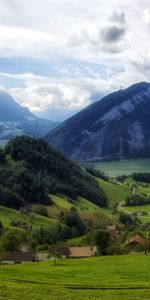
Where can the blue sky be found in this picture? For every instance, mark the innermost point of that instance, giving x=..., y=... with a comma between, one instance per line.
x=58, y=56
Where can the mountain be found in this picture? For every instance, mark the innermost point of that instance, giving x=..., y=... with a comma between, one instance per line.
x=17, y=120
x=115, y=127
x=35, y=170
x=10, y=111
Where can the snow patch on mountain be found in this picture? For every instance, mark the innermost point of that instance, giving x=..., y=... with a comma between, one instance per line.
x=117, y=112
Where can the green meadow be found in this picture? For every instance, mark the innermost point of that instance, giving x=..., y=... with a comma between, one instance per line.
x=7, y=216
x=115, y=193
x=110, y=278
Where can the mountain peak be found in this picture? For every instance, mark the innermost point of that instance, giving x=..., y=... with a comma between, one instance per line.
x=11, y=110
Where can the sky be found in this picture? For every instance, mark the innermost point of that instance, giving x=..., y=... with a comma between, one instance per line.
x=58, y=56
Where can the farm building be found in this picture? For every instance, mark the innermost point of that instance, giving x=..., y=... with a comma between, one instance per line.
x=78, y=252
x=135, y=241
x=16, y=257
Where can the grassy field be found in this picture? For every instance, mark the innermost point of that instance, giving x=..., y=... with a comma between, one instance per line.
x=123, y=167
x=138, y=208
x=115, y=193
x=86, y=209
x=109, y=278
x=7, y=216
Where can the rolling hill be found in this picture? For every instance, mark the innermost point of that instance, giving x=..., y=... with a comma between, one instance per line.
x=35, y=170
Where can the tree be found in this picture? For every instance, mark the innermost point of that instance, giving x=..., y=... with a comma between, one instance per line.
x=102, y=241
x=53, y=252
x=73, y=221
x=1, y=228
x=9, y=242
x=2, y=156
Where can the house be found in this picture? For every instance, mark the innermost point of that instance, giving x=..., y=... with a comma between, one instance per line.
x=77, y=252
x=16, y=257
x=82, y=252
x=134, y=241
x=64, y=251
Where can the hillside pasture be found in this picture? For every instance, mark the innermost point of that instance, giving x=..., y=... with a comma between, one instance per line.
x=86, y=209
x=115, y=193
x=8, y=216
x=138, y=209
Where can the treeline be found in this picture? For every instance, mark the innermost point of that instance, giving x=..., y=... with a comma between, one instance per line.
x=40, y=170
x=143, y=177
x=136, y=200
x=97, y=173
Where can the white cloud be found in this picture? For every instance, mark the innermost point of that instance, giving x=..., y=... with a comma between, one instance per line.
x=112, y=34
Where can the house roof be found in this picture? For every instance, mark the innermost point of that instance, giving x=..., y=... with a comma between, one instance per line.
x=81, y=251
x=137, y=239
x=111, y=228
x=17, y=256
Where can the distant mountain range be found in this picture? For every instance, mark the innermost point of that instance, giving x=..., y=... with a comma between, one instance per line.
x=18, y=120
x=118, y=126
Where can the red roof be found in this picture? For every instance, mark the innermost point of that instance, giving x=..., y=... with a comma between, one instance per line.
x=137, y=239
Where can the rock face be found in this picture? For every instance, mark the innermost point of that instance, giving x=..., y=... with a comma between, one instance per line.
x=18, y=120
x=117, y=126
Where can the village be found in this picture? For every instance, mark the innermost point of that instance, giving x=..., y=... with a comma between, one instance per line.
x=135, y=243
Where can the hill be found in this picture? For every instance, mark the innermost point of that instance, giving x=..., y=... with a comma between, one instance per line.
x=115, y=127
x=18, y=120
x=37, y=170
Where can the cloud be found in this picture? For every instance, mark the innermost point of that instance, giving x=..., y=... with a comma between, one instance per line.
x=106, y=37
x=118, y=18
x=112, y=34
x=59, y=56
x=68, y=94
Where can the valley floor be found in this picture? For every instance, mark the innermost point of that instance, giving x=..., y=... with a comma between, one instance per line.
x=123, y=167
x=111, y=278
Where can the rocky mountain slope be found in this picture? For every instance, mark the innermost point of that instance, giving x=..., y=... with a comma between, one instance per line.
x=115, y=127
x=17, y=120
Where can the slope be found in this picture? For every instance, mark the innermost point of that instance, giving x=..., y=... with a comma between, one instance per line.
x=39, y=170
x=116, y=126
x=17, y=120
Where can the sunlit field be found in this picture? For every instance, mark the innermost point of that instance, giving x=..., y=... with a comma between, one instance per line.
x=111, y=278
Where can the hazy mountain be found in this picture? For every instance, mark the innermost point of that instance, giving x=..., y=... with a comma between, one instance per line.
x=12, y=111
x=17, y=120
x=116, y=126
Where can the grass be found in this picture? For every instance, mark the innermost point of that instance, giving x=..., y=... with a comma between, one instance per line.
x=123, y=167
x=7, y=216
x=109, y=278
x=115, y=193
x=139, y=208
x=61, y=202
x=86, y=209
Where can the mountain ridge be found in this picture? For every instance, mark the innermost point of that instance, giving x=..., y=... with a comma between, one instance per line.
x=17, y=120
x=113, y=127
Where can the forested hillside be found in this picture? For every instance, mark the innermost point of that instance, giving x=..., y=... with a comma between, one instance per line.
x=37, y=170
